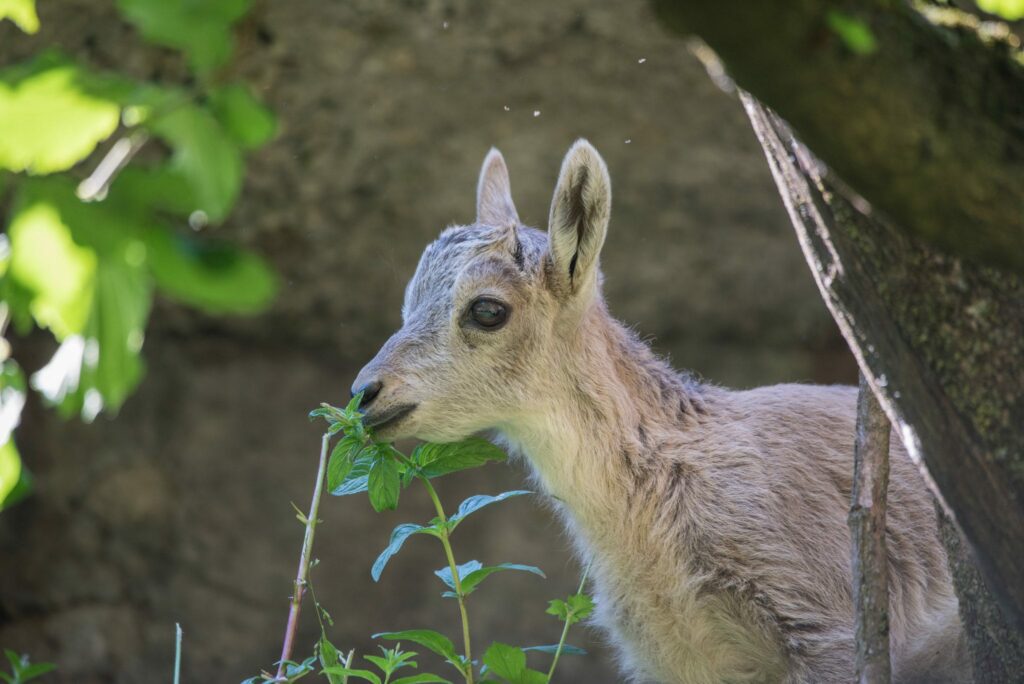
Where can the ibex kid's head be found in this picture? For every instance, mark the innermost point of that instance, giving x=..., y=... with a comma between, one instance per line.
x=492, y=309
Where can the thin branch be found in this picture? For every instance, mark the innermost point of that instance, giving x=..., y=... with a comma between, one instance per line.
x=456, y=580
x=565, y=628
x=177, y=653
x=95, y=187
x=867, y=529
x=304, y=560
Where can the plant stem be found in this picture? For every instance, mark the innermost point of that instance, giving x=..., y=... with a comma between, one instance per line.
x=565, y=629
x=558, y=651
x=347, y=664
x=455, y=577
x=177, y=653
x=95, y=187
x=304, y=559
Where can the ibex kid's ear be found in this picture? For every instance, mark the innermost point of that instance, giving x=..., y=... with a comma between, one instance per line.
x=494, y=205
x=579, y=219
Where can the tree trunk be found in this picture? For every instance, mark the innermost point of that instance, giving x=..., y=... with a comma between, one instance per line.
x=997, y=651
x=941, y=343
x=867, y=530
x=926, y=122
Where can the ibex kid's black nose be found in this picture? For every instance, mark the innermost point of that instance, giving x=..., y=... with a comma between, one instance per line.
x=370, y=391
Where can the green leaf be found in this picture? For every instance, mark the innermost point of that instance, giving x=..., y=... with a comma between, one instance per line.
x=581, y=606
x=352, y=672
x=509, y=663
x=55, y=273
x=293, y=670
x=380, y=662
x=35, y=671
x=109, y=228
x=53, y=114
x=384, y=484
x=242, y=115
x=567, y=649
x=464, y=570
x=423, y=678
x=329, y=413
x=575, y=608
x=392, y=660
x=352, y=408
x=855, y=33
x=1010, y=10
x=15, y=481
x=398, y=537
x=22, y=13
x=319, y=413
x=329, y=657
x=80, y=270
x=98, y=369
x=153, y=189
x=428, y=638
x=199, y=28
x=396, y=658
x=205, y=156
x=434, y=460
x=558, y=608
x=473, y=573
x=505, y=661
x=470, y=581
x=358, y=478
x=475, y=503
x=214, y=276
x=120, y=310
x=342, y=457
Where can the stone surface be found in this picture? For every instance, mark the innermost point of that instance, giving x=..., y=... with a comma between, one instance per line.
x=178, y=510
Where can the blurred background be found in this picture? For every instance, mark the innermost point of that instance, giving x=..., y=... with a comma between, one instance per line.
x=359, y=130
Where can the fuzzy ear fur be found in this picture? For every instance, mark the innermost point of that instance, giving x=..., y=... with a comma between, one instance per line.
x=494, y=205
x=579, y=218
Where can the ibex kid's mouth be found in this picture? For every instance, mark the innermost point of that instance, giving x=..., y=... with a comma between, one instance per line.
x=388, y=416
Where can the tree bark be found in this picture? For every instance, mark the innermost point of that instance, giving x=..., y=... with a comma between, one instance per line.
x=997, y=650
x=940, y=341
x=928, y=125
x=867, y=529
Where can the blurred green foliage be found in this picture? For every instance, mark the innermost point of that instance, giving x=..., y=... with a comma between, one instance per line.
x=22, y=13
x=854, y=32
x=92, y=233
x=22, y=669
x=1011, y=10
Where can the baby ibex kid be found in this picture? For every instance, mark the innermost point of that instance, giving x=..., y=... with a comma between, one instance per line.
x=715, y=521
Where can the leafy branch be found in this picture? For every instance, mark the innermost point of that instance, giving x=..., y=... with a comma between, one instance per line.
x=84, y=259
x=22, y=670
x=304, y=560
x=358, y=463
x=575, y=608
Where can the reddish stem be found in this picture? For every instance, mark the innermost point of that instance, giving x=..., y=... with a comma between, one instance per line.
x=304, y=560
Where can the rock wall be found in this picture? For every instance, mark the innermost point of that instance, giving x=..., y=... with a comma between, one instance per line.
x=178, y=510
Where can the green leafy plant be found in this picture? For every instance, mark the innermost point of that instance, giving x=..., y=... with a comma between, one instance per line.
x=85, y=251
x=360, y=464
x=1011, y=10
x=22, y=670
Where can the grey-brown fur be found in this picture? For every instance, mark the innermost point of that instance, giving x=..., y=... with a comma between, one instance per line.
x=715, y=520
